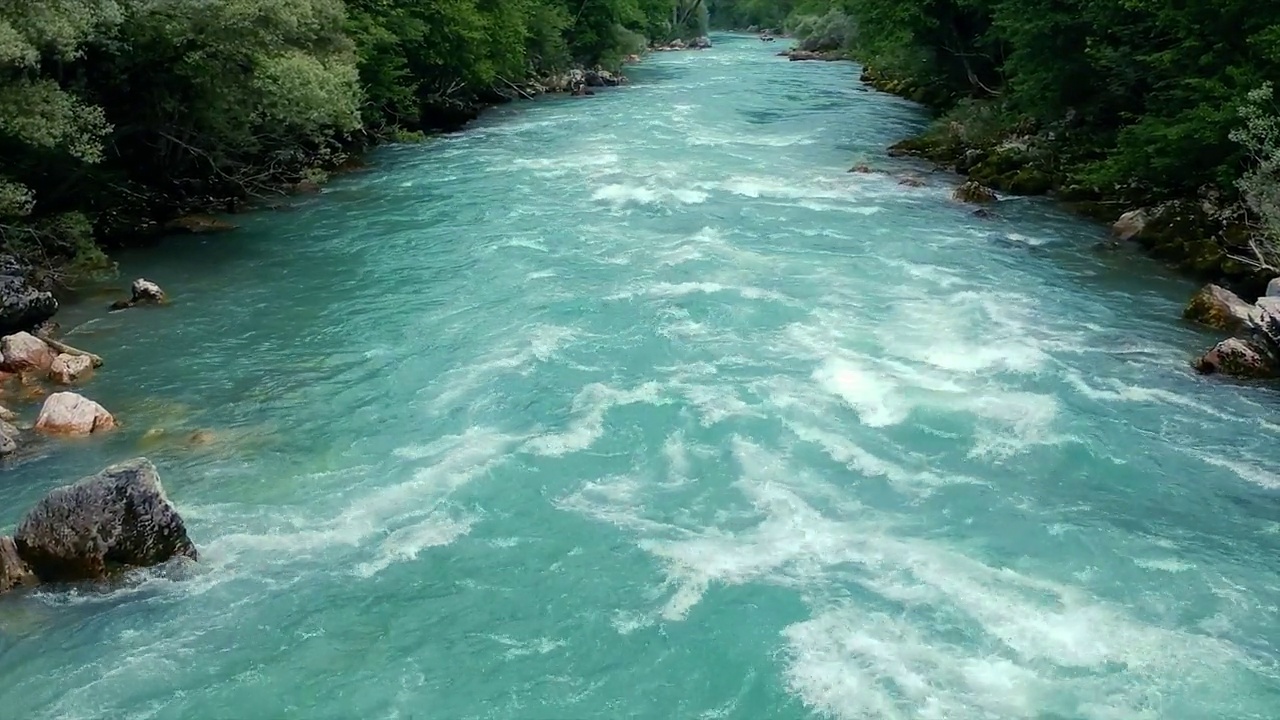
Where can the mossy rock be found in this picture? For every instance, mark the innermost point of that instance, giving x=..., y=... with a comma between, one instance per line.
x=1217, y=308
x=1008, y=161
x=1094, y=210
x=920, y=95
x=1083, y=194
x=1030, y=182
x=1204, y=258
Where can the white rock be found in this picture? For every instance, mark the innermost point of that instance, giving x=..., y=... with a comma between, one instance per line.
x=67, y=413
x=1273, y=288
x=24, y=351
x=144, y=291
x=69, y=369
x=1131, y=224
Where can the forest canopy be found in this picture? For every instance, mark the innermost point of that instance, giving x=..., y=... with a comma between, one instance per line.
x=115, y=114
x=1142, y=97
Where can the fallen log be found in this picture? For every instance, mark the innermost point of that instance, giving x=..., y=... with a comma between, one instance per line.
x=65, y=348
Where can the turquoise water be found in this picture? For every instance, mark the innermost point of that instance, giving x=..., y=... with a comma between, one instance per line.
x=641, y=406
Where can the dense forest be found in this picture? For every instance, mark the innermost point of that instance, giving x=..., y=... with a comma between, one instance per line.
x=1120, y=103
x=116, y=115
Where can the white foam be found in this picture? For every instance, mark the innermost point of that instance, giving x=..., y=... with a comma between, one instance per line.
x=1246, y=471
x=848, y=663
x=845, y=451
x=1016, y=422
x=1170, y=565
x=620, y=195
x=1122, y=392
x=406, y=543
x=665, y=289
x=590, y=406
x=535, y=342
x=873, y=395
x=716, y=403
x=411, y=506
x=517, y=648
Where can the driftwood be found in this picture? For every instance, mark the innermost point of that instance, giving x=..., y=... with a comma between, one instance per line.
x=65, y=348
x=515, y=87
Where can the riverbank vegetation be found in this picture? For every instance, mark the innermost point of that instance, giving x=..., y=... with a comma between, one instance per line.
x=1114, y=105
x=117, y=116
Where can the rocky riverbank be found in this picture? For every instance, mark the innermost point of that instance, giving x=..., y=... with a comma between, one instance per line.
x=1206, y=237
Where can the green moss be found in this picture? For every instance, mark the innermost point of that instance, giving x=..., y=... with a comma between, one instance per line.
x=401, y=135
x=1029, y=181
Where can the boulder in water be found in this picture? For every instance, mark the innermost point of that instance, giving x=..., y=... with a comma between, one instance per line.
x=911, y=181
x=1131, y=224
x=1238, y=358
x=141, y=292
x=14, y=571
x=1273, y=288
x=974, y=192
x=70, y=369
x=67, y=413
x=117, y=519
x=1218, y=308
x=24, y=351
x=22, y=305
x=700, y=43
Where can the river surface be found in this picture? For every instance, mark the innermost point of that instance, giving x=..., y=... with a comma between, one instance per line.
x=641, y=406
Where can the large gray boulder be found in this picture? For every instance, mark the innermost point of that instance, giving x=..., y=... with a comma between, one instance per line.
x=117, y=519
x=22, y=305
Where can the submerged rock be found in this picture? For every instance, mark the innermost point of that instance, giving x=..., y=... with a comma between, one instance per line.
x=70, y=369
x=117, y=519
x=1131, y=224
x=199, y=224
x=14, y=571
x=974, y=192
x=797, y=55
x=1239, y=358
x=67, y=413
x=24, y=351
x=1218, y=308
x=911, y=181
x=22, y=305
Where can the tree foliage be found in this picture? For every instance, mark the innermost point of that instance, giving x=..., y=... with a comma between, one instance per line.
x=119, y=113
x=1144, y=93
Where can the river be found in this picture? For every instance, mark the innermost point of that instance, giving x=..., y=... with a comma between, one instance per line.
x=642, y=406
